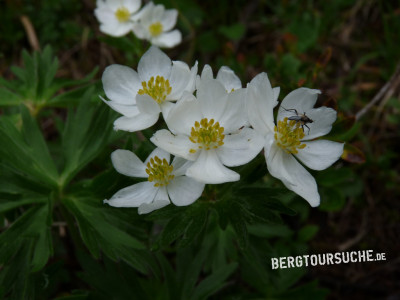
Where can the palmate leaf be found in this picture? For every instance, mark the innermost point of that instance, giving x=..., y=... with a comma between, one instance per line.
x=26, y=151
x=27, y=246
x=250, y=204
x=113, y=280
x=214, y=282
x=187, y=222
x=36, y=85
x=101, y=235
x=86, y=133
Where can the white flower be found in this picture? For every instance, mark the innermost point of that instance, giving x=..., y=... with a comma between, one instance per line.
x=154, y=23
x=205, y=130
x=115, y=15
x=289, y=140
x=141, y=96
x=166, y=183
x=225, y=75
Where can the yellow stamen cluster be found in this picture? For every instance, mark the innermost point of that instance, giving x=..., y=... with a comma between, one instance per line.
x=157, y=89
x=122, y=14
x=288, y=136
x=155, y=29
x=159, y=171
x=207, y=134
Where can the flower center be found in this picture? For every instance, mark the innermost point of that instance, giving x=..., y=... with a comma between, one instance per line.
x=288, y=136
x=122, y=14
x=157, y=89
x=155, y=29
x=207, y=135
x=159, y=171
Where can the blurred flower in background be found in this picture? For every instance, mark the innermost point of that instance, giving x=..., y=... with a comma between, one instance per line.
x=115, y=17
x=153, y=22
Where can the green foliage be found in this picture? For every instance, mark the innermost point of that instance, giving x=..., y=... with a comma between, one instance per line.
x=59, y=241
x=36, y=86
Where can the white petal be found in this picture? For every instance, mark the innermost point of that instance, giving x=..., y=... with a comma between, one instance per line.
x=207, y=72
x=234, y=115
x=121, y=84
x=134, y=195
x=302, y=100
x=116, y=29
x=260, y=104
x=140, y=31
x=192, y=82
x=147, y=105
x=209, y=169
x=157, y=13
x=166, y=108
x=323, y=118
x=127, y=110
x=160, y=153
x=212, y=97
x=240, y=148
x=136, y=123
x=293, y=175
x=180, y=166
x=321, y=154
x=168, y=20
x=100, y=4
x=180, y=77
x=114, y=5
x=132, y=5
x=146, y=208
x=184, y=114
x=229, y=79
x=160, y=201
x=276, y=91
x=179, y=145
x=127, y=163
x=184, y=190
x=154, y=63
x=144, y=13
x=105, y=15
x=168, y=39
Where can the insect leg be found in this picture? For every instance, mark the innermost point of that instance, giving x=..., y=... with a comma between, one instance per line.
x=307, y=127
x=292, y=109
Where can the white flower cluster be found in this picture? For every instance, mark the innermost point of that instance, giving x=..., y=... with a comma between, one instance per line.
x=213, y=124
x=153, y=22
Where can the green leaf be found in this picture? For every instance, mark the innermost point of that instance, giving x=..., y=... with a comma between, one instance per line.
x=234, y=32
x=9, y=98
x=36, y=85
x=9, y=204
x=86, y=132
x=110, y=280
x=214, y=282
x=332, y=199
x=101, y=232
x=307, y=233
x=264, y=198
x=33, y=226
x=195, y=227
x=237, y=217
x=34, y=138
x=189, y=223
x=26, y=151
x=189, y=267
x=95, y=217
